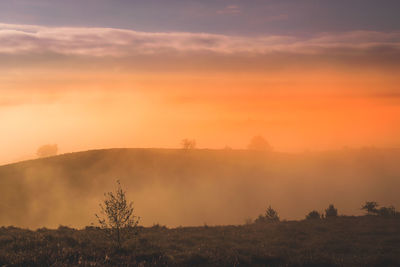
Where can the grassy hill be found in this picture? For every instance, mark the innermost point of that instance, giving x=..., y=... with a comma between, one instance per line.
x=176, y=187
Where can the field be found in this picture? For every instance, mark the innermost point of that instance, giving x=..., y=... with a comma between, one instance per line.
x=341, y=241
x=207, y=200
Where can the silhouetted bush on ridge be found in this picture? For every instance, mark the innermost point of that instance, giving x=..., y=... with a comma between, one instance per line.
x=270, y=216
x=313, y=215
x=331, y=212
x=387, y=211
x=371, y=208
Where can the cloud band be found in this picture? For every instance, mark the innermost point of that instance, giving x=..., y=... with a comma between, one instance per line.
x=99, y=42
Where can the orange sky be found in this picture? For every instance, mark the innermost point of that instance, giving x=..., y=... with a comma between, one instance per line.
x=295, y=111
x=301, y=95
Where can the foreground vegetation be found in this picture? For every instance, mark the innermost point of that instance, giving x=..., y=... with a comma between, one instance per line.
x=339, y=241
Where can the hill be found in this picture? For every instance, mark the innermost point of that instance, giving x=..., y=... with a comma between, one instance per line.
x=177, y=187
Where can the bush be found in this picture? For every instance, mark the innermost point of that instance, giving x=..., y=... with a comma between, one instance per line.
x=331, y=212
x=260, y=219
x=313, y=215
x=370, y=207
x=387, y=211
x=258, y=143
x=271, y=215
x=118, y=217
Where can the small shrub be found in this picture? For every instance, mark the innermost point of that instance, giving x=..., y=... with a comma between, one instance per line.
x=313, y=215
x=117, y=215
x=331, y=212
x=370, y=207
x=271, y=215
x=260, y=219
x=387, y=211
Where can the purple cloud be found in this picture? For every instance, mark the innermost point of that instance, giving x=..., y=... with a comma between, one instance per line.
x=100, y=42
x=230, y=9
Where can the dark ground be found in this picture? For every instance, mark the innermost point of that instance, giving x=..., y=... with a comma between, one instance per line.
x=342, y=241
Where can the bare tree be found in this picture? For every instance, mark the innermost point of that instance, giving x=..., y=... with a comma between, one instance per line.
x=371, y=207
x=117, y=215
x=188, y=144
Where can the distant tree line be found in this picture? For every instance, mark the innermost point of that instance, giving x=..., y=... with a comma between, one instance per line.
x=370, y=207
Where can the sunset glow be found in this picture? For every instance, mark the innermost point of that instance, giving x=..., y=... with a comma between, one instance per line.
x=199, y=133
x=92, y=86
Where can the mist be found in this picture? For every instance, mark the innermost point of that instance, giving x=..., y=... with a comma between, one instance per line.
x=177, y=187
x=100, y=88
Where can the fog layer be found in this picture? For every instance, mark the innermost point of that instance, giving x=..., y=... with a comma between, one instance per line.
x=177, y=187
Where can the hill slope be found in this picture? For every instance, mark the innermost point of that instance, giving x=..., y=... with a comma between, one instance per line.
x=176, y=187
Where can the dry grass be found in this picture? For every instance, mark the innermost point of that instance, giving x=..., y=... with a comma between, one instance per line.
x=342, y=241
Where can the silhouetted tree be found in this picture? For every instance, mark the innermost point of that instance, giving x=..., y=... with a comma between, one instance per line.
x=259, y=143
x=188, y=144
x=387, y=211
x=331, y=212
x=370, y=207
x=47, y=151
x=117, y=215
x=313, y=215
x=271, y=215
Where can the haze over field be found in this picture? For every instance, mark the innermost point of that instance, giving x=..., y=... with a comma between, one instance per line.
x=188, y=188
x=309, y=76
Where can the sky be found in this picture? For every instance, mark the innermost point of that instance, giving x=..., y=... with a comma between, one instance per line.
x=306, y=75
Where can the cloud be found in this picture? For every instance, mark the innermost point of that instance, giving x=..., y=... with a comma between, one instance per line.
x=100, y=42
x=230, y=9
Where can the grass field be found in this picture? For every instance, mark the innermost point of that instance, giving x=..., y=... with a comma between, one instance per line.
x=206, y=188
x=341, y=241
